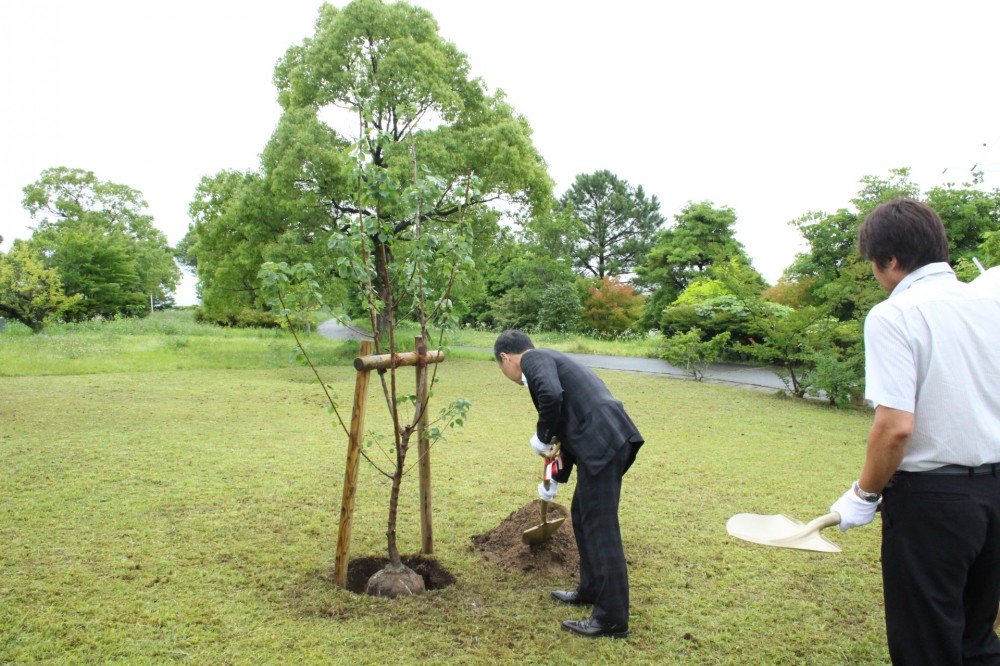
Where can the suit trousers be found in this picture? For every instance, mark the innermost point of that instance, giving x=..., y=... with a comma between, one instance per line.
x=941, y=568
x=603, y=573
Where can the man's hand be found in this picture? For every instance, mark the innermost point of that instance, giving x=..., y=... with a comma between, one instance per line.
x=854, y=511
x=544, y=450
x=548, y=494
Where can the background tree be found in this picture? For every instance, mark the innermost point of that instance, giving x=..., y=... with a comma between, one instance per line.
x=832, y=238
x=103, y=243
x=493, y=252
x=612, y=307
x=557, y=230
x=611, y=224
x=832, y=275
x=29, y=292
x=560, y=309
x=702, y=236
x=989, y=249
x=709, y=306
x=524, y=284
x=836, y=277
x=970, y=216
x=236, y=226
x=417, y=95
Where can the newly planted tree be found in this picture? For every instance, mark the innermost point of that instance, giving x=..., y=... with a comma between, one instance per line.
x=429, y=259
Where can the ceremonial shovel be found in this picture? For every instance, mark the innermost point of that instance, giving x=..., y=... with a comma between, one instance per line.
x=784, y=532
x=541, y=533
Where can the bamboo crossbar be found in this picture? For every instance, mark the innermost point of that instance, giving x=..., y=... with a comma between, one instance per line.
x=386, y=361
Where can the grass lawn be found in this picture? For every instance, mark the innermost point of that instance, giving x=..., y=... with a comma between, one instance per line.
x=167, y=502
x=642, y=346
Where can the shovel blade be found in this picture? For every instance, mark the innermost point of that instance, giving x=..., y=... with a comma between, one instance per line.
x=783, y=532
x=541, y=533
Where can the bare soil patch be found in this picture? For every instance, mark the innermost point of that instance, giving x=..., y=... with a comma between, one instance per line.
x=360, y=569
x=556, y=557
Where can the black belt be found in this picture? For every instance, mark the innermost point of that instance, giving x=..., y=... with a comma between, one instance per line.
x=962, y=470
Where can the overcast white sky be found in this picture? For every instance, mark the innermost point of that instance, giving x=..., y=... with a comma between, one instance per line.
x=773, y=108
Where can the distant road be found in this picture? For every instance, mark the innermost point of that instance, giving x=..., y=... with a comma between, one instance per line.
x=736, y=375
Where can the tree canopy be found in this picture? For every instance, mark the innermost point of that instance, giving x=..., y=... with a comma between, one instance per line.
x=832, y=273
x=611, y=224
x=701, y=237
x=100, y=238
x=29, y=292
x=377, y=80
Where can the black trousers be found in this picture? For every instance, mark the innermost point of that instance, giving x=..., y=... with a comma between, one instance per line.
x=603, y=573
x=941, y=568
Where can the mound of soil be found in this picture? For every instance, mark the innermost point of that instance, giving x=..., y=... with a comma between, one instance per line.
x=360, y=569
x=556, y=557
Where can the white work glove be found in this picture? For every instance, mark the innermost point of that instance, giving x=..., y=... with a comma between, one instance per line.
x=542, y=449
x=854, y=511
x=550, y=494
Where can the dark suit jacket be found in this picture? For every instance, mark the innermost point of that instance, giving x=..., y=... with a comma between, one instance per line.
x=575, y=406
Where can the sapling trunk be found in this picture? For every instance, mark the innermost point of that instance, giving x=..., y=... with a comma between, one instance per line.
x=397, y=479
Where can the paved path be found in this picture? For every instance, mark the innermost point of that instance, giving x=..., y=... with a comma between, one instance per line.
x=762, y=379
x=742, y=375
x=334, y=330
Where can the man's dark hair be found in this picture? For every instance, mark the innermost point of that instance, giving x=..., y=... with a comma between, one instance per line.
x=511, y=341
x=906, y=229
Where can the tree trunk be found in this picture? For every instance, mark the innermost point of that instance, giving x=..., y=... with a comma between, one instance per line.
x=397, y=479
x=383, y=257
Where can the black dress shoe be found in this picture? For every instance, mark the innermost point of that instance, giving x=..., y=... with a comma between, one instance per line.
x=572, y=598
x=592, y=628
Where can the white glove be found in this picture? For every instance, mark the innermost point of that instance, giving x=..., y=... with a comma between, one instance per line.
x=854, y=511
x=542, y=449
x=550, y=494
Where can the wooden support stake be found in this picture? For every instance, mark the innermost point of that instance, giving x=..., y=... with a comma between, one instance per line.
x=423, y=450
x=351, y=471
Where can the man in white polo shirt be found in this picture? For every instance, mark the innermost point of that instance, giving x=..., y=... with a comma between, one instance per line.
x=932, y=370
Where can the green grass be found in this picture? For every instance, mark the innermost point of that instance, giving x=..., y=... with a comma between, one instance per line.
x=188, y=514
x=623, y=345
x=168, y=341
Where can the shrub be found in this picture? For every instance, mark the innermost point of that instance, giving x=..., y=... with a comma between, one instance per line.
x=612, y=307
x=245, y=318
x=691, y=353
x=560, y=309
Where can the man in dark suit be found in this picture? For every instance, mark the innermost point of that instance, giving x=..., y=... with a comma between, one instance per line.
x=576, y=409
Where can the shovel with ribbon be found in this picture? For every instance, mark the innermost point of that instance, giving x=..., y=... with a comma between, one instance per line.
x=543, y=531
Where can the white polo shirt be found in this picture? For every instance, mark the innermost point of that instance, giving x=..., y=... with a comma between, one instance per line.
x=933, y=349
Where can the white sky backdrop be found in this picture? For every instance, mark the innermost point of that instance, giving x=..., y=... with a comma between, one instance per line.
x=775, y=108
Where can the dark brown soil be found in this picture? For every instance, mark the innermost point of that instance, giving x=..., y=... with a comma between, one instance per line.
x=501, y=546
x=556, y=557
x=360, y=569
